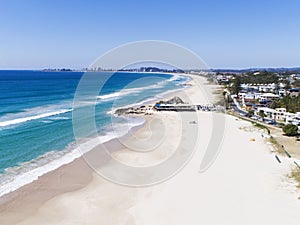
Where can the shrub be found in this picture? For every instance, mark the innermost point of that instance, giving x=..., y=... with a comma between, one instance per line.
x=290, y=129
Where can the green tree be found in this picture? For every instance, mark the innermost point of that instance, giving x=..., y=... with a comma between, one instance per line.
x=250, y=112
x=261, y=113
x=287, y=84
x=296, y=83
x=290, y=130
x=236, y=85
x=264, y=77
x=292, y=104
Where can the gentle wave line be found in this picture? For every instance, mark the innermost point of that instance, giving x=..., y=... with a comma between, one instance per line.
x=25, y=119
x=127, y=91
x=16, y=177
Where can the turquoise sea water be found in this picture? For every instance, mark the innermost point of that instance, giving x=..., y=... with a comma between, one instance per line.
x=36, y=113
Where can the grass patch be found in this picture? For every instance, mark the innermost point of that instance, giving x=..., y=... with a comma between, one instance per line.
x=281, y=125
x=220, y=101
x=258, y=125
x=277, y=146
x=273, y=141
x=210, y=80
x=295, y=174
x=217, y=91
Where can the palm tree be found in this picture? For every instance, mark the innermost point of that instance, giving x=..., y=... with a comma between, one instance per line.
x=262, y=114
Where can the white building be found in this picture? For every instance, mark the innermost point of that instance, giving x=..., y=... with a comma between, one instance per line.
x=292, y=118
x=274, y=114
x=249, y=95
x=289, y=117
x=281, y=92
x=280, y=114
x=268, y=96
x=260, y=87
x=267, y=87
x=252, y=96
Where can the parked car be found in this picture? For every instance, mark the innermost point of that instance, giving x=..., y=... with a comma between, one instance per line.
x=271, y=122
x=261, y=119
x=243, y=114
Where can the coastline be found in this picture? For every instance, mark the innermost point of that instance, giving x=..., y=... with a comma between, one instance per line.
x=69, y=154
x=75, y=187
x=66, y=178
x=51, y=178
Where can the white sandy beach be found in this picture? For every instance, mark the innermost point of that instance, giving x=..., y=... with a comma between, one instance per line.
x=244, y=185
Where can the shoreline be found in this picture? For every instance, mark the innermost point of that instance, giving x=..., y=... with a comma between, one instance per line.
x=69, y=156
x=76, y=188
x=76, y=163
x=68, y=177
x=73, y=153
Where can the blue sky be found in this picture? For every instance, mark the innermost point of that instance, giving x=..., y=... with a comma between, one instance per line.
x=225, y=34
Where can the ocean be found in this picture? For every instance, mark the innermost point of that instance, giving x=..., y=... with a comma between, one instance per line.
x=36, y=133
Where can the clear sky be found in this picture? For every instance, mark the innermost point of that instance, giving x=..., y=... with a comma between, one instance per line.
x=225, y=34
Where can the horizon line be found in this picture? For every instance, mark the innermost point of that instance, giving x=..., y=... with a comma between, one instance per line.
x=220, y=68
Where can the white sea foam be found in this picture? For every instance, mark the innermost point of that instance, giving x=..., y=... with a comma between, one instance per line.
x=16, y=177
x=47, y=121
x=60, y=118
x=34, y=117
x=115, y=95
x=128, y=91
x=147, y=100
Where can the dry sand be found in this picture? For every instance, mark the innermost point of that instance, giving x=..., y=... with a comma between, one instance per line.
x=244, y=185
